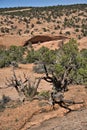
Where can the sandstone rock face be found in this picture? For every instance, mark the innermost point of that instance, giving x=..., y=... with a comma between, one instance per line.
x=44, y=38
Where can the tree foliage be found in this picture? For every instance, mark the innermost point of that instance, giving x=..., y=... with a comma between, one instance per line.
x=7, y=56
x=67, y=62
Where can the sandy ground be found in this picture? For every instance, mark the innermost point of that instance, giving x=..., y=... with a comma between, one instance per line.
x=73, y=121
x=27, y=69
x=29, y=115
x=38, y=115
x=8, y=40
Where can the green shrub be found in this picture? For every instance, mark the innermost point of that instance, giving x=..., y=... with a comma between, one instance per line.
x=44, y=94
x=13, y=54
x=67, y=33
x=32, y=56
x=3, y=102
x=16, y=53
x=77, y=30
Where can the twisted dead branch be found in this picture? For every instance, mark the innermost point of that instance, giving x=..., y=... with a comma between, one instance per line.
x=58, y=98
x=24, y=86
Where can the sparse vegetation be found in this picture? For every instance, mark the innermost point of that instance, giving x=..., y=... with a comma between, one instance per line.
x=13, y=54
x=62, y=69
x=3, y=102
x=58, y=60
x=44, y=15
x=66, y=61
x=25, y=88
x=44, y=94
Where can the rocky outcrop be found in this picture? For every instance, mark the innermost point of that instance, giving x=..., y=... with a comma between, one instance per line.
x=43, y=38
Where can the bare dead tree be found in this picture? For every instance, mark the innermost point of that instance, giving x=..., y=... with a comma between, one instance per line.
x=23, y=85
x=59, y=83
x=53, y=79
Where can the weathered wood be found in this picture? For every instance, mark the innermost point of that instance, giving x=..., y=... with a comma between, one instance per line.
x=58, y=98
x=23, y=86
x=57, y=83
x=60, y=83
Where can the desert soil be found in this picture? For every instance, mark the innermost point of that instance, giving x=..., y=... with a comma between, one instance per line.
x=73, y=121
x=38, y=115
